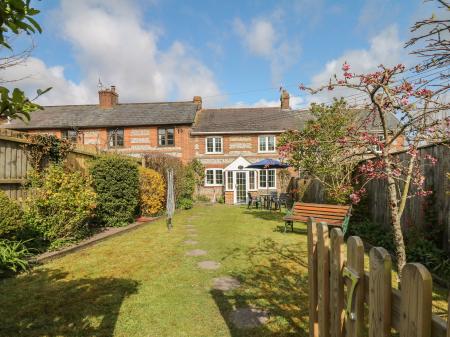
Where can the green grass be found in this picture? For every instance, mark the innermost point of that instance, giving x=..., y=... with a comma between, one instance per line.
x=142, y=284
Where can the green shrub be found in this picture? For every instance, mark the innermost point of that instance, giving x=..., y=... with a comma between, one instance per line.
x=220, y=199
x=13, y=257
x=161, y=163
x=59, y=204
x=373, y=233
x=116, y=182
x=11, y=223
x=151, y=191
x=203, y=198
x=185, y=203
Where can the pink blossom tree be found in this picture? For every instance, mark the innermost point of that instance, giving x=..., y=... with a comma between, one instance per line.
x=421, y=110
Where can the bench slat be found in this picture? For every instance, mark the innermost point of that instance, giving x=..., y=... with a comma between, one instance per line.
x=320, y=209
x=298, y=216
x=305, y=219
x=314, y=213
x=346, y=207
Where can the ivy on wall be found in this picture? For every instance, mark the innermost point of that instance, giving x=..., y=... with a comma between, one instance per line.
x=44, y=149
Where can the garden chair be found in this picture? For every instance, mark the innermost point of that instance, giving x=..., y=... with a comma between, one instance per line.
x=281, y=200
x=253, y=201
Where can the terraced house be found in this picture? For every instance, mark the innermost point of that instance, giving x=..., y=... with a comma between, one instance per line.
x=225, y=140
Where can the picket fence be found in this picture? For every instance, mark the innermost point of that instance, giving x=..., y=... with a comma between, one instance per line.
x=340, y=289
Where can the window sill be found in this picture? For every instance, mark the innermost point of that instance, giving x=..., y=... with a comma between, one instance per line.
x=213, y=152
x=267, y=151
x=215, y=185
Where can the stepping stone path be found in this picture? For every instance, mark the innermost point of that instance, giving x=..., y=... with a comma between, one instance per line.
x=196, y=252
x=209, y=265
x=190, y=242
x=247, y=318
x=190, y=226
x=225, y=283
x=192, y=235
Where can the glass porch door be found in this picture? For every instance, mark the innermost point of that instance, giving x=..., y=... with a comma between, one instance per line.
x=241, y=187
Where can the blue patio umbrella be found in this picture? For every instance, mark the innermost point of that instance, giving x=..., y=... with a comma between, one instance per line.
x=267, y=164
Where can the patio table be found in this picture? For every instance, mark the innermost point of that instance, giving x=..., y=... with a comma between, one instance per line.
x=265, y=200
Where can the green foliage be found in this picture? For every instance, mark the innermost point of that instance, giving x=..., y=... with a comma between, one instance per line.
x=152, y=190
x=46, y=149
x=116, y=182
x=13, y=257
x=59, y=204
x=220, y=199
x=203, y=198
x=11, y=223
x=418, y=247
x=317, y=149
x=198, y=170
x=16, y=16
x=185, y=176
x=185, y=203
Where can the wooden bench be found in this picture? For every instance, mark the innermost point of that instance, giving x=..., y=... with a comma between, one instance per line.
x=333, y=215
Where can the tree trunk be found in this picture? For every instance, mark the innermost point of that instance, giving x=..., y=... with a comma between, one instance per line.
x=400, y=250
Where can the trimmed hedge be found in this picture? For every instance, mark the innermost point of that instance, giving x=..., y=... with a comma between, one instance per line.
x=152, y=191
x=59, y=204
x=116, y=182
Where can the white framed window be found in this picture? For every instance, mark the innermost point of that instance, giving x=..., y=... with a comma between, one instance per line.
x=377, y=147
x=252, y=180
x=267, y=179
x=213, y=177
x=230, y=180
x=266, y=144
x=214, y=145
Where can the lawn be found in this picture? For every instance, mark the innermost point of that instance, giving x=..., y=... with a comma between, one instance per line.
x=143, y=284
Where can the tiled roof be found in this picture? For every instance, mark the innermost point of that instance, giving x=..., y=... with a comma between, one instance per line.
x=128, y=114
x=249, y=120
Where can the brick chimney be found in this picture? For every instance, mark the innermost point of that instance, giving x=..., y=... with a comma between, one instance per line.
x=108, y=97
x=198, y=101
x=284, y=99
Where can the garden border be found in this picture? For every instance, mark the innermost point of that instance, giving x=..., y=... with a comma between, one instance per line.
x=110, y=232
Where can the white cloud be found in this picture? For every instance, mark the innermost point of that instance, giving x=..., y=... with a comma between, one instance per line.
x=110, y=41
x=261, y=38
x=385, y=48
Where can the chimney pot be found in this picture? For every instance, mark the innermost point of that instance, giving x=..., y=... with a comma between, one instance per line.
x=198, y=101
x=108, y=98
x=284, y=99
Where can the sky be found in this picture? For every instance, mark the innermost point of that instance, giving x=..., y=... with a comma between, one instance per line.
x=232, y=53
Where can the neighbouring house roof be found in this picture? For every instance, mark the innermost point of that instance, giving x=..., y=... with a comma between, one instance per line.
x=127, y=114
x=248, y=120
x=262, y=120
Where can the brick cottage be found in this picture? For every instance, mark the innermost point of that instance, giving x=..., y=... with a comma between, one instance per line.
x=225, y=140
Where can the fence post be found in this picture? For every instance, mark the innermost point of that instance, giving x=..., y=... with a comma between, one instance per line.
x=336, y=283
x=354, y=323
x=312, y=277
x=323, y=278
x=448, y=316
x=380, y=283
x=416, y=290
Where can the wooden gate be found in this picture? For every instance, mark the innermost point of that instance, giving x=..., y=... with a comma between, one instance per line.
x=340, y=289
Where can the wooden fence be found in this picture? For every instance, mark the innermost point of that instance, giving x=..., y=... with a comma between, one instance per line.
x=419, y=211
x=340, y=289
x=14, y=163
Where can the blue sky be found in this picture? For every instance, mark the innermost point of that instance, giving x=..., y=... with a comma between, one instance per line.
x=233, y=53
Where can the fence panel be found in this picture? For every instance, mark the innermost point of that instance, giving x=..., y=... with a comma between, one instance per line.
x=312, y=278
x=323, y=279
x=408, y=311
x=416, y=302
x=380, y=280
x=336, y=283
